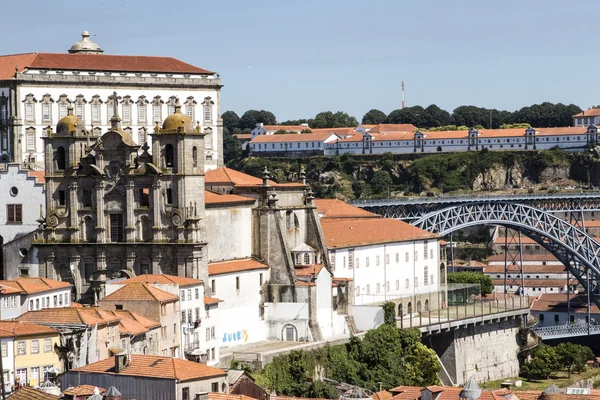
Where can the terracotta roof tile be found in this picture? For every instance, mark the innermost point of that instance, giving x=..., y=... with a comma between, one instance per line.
x=139, y=291
x=243, y=136
x=214, y=199
x=539, y=282
x=40, y=176
x=18, y=328
x=69, y=316
x=156, y=367
x=292, y=137
x=225, y=396
x=163, y=279
x=32, y=284
x=308, y=270
x=558, y=303
x=211, y=300
x=132, y=323
x=334, y=208
x=526, y=257
x=393, y=128
x=29, y=393
x=590, y=112
x=289, y=128
x=347, y=232
x=82, y=390
x=382, y=395
x=225, y=267
x=224, y=175
x=528, y=269
x=95, y=62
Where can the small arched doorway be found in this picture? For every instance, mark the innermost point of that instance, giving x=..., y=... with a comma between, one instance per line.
x=409, y=307
x=426, y=305
x=400, y=311
x=289, y=333
x=419, y=306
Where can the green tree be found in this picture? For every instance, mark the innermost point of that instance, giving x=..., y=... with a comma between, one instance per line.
x=231, y=120
x=573, y=357
x=232, y=150
x=253, y=117
x=381, y=182
x=434, y=116
x=281, y=132
x=407, y=115
x=471, y=116
x=389, y=313
x=374, y=117
x=544, y=363
x=327, y=119
x=321, y=390
x=485, y=282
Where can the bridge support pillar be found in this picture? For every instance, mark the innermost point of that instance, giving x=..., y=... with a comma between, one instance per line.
x=513, y=262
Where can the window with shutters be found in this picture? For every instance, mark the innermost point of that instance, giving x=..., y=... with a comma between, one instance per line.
x=14, y=213
x=332, y=258
x=95, y=107
x=425, y=276
x=4, y=347
x=79, y=107
x=190, y=107
x=30, y=138
x=30, y=108
x=126, y=112
x=425, y=252
x=21, y=348
x=35, y=346
x=208, y=141
x=207, y=106
x=350, y=258
x=62, y=107
x=47, y=345
x=116, y=228
x=171, y=103
x=142, y=109
x=156, y=113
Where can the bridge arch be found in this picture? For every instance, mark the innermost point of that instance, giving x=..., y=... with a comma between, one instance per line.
x=565, y=241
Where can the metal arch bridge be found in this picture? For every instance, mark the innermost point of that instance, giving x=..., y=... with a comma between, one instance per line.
x=565, y=331
x=411, y=208
x=565, y=241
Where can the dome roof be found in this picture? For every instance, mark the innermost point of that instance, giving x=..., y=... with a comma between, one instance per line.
x=68, y=123
x=552, y=389
x=85, y=45
x=177, y=122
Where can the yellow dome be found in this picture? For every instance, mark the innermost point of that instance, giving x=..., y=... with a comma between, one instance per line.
x=68, y=123
x=177, y=122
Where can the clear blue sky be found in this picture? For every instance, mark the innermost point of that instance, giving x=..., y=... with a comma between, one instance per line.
x=297, y=58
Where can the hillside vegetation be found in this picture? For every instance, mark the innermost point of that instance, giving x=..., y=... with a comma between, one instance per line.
x=377, y=176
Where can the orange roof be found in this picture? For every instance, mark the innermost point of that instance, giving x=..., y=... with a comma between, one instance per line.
x=32, y=284
x=591, y=223
x=19, y=328
x=392, y=128
x=334, y=208
x=243, y=136
x=308, y=270
x=558, y=303
x=29, y=393
x=162, y=279
x=155, y=367
x=225, y=396
x=213, y=199
x=39, y=175
x=82, y=390
x=211, y=300
x=69, y=316
x=224, y=175
x=347, y=232
x=590, y=112
x=139, y=291
x=528, y=269
x=337, y=131
x=292, y=137
x=226, y=267
x=94, y=62
x=132, y=323
x=6, y=289
x=289, y=128
x=449, y=393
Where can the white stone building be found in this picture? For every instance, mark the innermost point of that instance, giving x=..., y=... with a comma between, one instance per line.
x=588, y=117
x=37, y=88
x=7, y=346
x=372, y=142
x=293, y=143
x=385, y=259
x=551, y=309
x=262, y=129
x=30, y=294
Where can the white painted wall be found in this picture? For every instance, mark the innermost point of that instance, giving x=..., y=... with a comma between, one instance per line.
x=30, y=195
x=229, y=233
x=282, y=315
x=239, y=313
x=324, y=303
x=49, y=299
x=104, y=92
x=406, y=261
x=552, y=318
x=8, y=363
x=10, y=306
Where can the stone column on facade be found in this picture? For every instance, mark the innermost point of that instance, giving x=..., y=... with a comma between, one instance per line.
x=130, y=259
x=129, y=205
x=48, y=266
x=101, y=259
x=75, y=232
x=156, y=204
x=100, y=222
x=156, y=260
x=181, y=261
x=15, y=93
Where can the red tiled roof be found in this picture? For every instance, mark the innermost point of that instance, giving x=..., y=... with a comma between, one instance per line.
x=155, y=367
x=243, y=136
x=382, y=395
x=526, y=257
x=558, y=303
x=224, y=175
x=225, y=267
x=528, y=269
x=289, y=128
x=293, y=137
x=211, y=300
x=226, y=396
x=590, y=112
x=32, y=284
x=334, y=208
x=94, y=62
x=393, y=128
x=82, y=390
x=19, y=328
x=132, y=323
x=308, y=270
x=29, y=393
x=539, y=282
x=347, y=232
x=163, y=279
x=215, y=199
x=139, y=291
x=40, y=176
x=69, y=316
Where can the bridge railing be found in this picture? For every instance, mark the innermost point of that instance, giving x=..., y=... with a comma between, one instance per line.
x=437, y=199
x=567, y=330
x=468, y=310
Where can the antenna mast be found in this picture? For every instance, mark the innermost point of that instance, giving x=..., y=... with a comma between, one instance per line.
x=402, y=93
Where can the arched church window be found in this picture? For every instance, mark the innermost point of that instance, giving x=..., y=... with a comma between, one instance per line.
x=60, y=158
x=195, y=156
x=169, y=156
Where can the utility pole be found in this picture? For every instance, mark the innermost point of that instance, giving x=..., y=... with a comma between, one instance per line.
x=403, y=93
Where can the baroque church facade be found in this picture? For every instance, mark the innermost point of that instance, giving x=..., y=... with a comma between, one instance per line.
x=36, y=90
x=117, y=209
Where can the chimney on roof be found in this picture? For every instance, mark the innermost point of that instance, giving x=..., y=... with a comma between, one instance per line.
x=120, y=362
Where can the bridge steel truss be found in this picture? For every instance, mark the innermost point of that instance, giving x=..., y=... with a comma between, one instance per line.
x=413, y=209
x=565, y=241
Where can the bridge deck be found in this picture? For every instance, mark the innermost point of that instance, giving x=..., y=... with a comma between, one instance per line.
x=565, y=331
